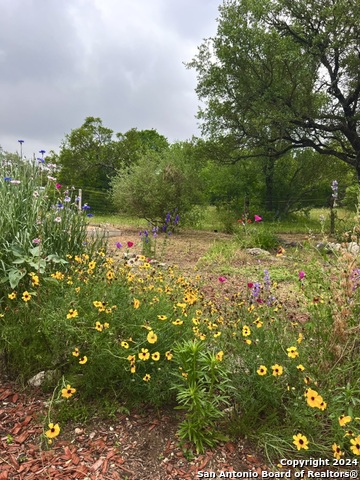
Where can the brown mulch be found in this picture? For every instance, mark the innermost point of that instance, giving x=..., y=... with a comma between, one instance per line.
x=138, y=446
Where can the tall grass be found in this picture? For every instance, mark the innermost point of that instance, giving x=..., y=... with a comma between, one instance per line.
x=316, y=221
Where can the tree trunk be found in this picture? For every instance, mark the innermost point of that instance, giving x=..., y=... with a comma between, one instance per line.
x=269, y=169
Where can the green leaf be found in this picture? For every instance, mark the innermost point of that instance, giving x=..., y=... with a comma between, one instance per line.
x=35, y=252
x=15, y=276
x=19, y=261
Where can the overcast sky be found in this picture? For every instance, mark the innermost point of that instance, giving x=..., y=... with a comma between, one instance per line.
x=121, y=60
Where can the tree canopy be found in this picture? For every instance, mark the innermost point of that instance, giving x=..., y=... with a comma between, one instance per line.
x=282, y=75
x=92, y=154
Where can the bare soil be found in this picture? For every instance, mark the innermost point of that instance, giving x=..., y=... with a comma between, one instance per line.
x=137, y=446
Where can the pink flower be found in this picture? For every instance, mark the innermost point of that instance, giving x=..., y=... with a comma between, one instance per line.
x=257, y=218
x=222, y=279
x=130, y=244
x=302, y=274
x=250, y=285
x=58, y=186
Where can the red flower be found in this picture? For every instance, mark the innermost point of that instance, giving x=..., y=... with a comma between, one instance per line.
x=130, y=244
x=250, y=285
x=58, y=186
x=302, y=274
x=222, y=279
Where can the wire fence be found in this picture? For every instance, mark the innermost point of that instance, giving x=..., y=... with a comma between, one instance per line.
x=98, y=199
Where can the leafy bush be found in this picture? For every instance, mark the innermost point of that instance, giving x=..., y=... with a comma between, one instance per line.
x=156, y=184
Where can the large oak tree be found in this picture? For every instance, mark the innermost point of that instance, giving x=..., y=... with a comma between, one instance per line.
x=282, y=75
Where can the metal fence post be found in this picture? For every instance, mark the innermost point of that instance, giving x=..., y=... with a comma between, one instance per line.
x=80, y=200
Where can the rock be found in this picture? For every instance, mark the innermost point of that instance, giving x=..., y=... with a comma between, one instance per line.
x=257, y=251
x=331, y=247
x=42, y=377
x=353, y=248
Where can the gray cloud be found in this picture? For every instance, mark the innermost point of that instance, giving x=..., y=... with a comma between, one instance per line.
x=121, y=60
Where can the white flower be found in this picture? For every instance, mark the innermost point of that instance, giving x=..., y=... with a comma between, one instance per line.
x=57, y=219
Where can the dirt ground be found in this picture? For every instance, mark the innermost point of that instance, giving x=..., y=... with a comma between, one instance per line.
x=137, y=446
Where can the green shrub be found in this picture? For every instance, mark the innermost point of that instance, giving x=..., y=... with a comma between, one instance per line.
x=255, y=234
x=39, y=222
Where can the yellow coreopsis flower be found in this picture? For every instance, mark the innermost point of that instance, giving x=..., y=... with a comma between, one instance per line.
x=68, y=392
x=26, y=296
x=277, y=370
x=246, y=331
x=152, y=337
x=155, y=356
x=136, y=303
x=344, y=419
x=355, y=445
x=53, y=431
x=72, y=313
x=83, y=360
x=147, y=377
x=178, y=322
x=168, y=355
x=34, y=280
x=262, y=370
x=12, y=295
x=58, y=276
x=219, y=356
x=99, y=327
x=313, y=398
x=110, y=275
x=258, y=323
x=300, y=441
x=337, y=451
x=292, y=352
x=144, y=354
